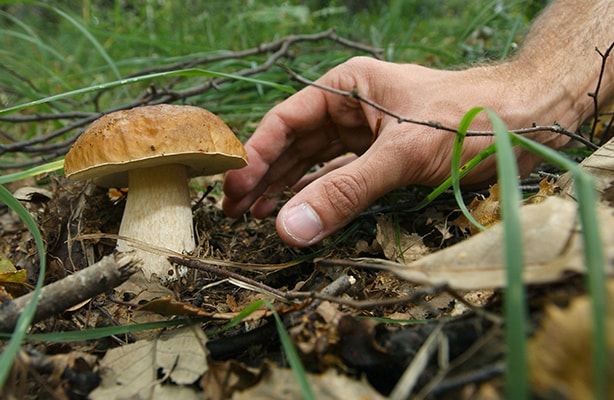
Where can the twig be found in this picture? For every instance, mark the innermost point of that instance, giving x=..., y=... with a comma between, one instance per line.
x=440, y=383
x=595, y=94
x=354, y=94
x=223, y=347
x=414, y=297
x=203, y=266
x=56, y=142
x=56, y=297
x=471, y=377
x=339, y=286
x=265, y=48
x=410, y=376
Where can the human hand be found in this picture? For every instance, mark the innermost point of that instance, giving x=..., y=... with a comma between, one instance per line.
x=315, y=126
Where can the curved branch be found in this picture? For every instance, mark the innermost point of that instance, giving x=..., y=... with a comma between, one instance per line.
x=555, y=127
x=55, y=142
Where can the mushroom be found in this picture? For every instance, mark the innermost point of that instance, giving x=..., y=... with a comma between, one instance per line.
x=154, y=150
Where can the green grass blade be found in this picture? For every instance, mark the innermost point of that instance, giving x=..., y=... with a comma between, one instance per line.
x=516, y=329
x=292, y=355
x=99, y=48
x=41, y=169
x=593, y=256
x=515, y=308
x=462, y=171
x=23, y=323
x=99, y=333
x=143, y=78
x=456, y=160
x=595, y=263
x=510, y=39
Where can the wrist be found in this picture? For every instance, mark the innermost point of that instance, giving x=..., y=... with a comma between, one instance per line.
x=525, y=95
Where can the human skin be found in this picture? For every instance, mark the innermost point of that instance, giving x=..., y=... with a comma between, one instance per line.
x=547, y=82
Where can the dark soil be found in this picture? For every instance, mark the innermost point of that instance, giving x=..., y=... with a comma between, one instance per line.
x=358, y=347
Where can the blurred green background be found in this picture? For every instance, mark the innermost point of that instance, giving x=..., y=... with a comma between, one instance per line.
x=53, y=47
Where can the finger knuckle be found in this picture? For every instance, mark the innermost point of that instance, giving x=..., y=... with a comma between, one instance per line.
x=344, y=193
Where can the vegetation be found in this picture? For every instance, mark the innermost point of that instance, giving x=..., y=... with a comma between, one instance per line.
x=49, y=50
x=61, y=66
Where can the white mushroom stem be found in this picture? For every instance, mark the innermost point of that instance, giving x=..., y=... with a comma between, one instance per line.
x=158, y=213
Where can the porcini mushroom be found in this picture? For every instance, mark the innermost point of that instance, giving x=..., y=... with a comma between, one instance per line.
x=154, y=150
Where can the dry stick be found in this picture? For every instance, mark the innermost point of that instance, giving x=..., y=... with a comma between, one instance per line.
x=417, y=296
x=354, y=94
x=324, y=295
x=441, y=383
x=408, y=380
x=213, y=266
x=266, y=48
x=226, y=346
x=604, y=60
x=37, y=117
x=203, y=266
x=279, y=49
x=340, y=285
x=56, y=297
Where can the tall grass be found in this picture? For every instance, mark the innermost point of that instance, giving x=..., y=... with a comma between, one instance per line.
x=50, y=49
x=515, y=307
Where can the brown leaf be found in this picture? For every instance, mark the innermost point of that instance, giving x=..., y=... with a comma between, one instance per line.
x=560, y=351
x=547, y=188
x=227, y=377
x=398, y=244
x=280, y=383
x=600, y=165
x=485, y=211
x=132, y=370
x=552, y=245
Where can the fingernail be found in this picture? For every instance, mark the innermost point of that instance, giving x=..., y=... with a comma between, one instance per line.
x=302, y=223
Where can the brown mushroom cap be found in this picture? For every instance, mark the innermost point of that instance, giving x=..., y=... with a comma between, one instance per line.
x=153, y=136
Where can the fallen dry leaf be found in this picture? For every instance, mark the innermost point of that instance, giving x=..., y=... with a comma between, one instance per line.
x=141, y=290
x=13, y=282
x=487, y=211
x=547, y=187
x=552, y=245
x=600, y=165
x=226, y=377
x=484, y=211
x=10, y=274
x=167, y=305
x=280, y=383
x=560, y=351
x=132, y=370
x=397, y=244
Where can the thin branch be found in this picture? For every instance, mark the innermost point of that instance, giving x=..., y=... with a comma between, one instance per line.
x=354, y=94
x=56, y=297
x=328, y=295
x=203, y=266
x=595, y=94
x=265, y=48
x=54, y=143
x=37, y=117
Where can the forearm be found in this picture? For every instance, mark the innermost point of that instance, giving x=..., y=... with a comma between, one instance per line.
x=559, y=57
x=548, y=81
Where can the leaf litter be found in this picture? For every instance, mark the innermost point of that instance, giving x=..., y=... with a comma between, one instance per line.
x=136, y=369
x=362, y=340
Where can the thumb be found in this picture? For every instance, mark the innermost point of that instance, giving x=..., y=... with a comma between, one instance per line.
x=332, y=201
